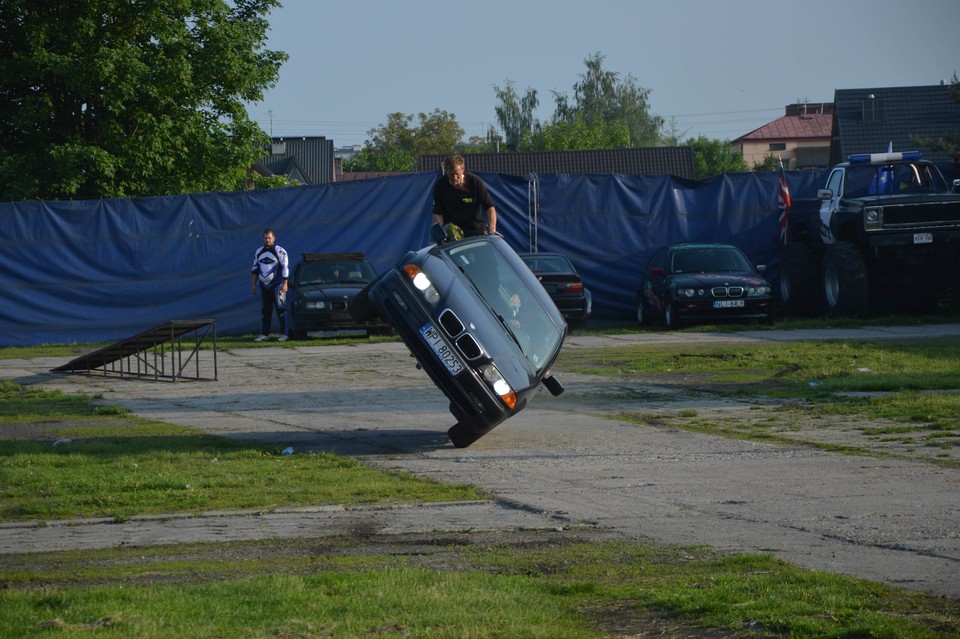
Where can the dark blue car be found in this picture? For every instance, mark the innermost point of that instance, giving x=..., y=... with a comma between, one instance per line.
x=478, y=322
x=686, y=283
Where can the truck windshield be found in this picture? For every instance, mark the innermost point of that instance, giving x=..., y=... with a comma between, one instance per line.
x=900, y=178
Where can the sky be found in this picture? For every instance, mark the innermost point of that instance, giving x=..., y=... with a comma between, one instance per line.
x=718, y=68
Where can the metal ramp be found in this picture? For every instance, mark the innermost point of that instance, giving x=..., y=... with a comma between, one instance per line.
x=160, y=353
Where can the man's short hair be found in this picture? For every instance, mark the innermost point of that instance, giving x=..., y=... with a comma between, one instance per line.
x=451, y=162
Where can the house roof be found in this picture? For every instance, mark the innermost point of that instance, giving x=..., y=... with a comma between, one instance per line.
x=671, y=160
x=867, y=120
x=311, y=158
x=813, y=126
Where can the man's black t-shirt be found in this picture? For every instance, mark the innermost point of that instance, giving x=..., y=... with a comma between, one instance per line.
x=464, y=206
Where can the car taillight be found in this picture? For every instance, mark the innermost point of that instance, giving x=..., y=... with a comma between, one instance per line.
x=573, y=287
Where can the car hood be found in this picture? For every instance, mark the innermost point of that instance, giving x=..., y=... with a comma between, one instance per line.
x=716, y=279
x=329, y=290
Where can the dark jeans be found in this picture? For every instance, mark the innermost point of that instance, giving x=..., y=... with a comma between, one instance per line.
x=268, y=302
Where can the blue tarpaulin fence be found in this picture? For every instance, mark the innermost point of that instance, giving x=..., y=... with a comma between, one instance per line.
x=93, y=271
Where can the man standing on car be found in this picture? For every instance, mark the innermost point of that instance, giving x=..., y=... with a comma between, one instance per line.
x=271, y=268
x=462, y=198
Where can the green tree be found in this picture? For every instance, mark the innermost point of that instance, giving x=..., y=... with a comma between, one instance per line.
x=602, y=96
x=714, y=157
x=398, y=144
x=515, y=115
x=578, y=134
x=769, y=163
x=112, y=98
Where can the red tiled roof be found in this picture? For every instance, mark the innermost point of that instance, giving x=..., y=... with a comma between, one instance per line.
x=793, y=127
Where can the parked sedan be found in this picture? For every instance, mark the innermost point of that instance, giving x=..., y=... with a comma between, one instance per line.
x=478, y=323
x=562, y=282
x=321, y=290
x=703, y=282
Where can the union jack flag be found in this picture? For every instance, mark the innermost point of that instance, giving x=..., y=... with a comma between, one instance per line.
x=783, y=202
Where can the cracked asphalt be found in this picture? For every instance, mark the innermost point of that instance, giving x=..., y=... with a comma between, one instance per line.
x=563, y=462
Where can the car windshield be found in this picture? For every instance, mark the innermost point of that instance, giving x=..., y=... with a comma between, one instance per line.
x=514, y=295
x=342, y=272
x=710, y=260
x=548, y=263
x=892, y=179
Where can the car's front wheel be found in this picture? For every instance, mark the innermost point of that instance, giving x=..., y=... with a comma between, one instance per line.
x=845, y=282
x=670, y=315
x=461, y=436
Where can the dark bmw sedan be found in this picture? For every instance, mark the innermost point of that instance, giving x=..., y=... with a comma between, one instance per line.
x=564, y=285
x=686, y=283
x=478, y=322
x=322, y=289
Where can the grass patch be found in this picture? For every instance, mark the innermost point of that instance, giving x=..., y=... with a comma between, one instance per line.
x=113, y=467
x=555, y=588
x=910, y=387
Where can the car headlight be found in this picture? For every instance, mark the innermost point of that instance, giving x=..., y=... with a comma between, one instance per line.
x=871, y=219
x=315, y=305
x=422, y=283
x=758, y=291
x=499, y=385
x=690, y=292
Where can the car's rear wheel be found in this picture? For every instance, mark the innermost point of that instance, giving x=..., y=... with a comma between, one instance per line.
x=642, y=313
x=845, y=285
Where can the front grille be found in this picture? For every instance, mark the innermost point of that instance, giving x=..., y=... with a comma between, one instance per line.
x=727, y=291
x=932, y=214
x=469, y=346
x=451, y=323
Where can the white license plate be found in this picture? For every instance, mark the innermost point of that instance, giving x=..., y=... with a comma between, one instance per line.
x=923, y=238
x=728, y=304
x=444, y=352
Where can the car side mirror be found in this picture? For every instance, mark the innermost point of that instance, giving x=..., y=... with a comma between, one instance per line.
x=956, y=186
x=824, y=194
x=761, y=268
x=438, y=234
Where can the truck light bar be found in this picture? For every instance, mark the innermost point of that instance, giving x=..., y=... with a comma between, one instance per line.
x=865, y=158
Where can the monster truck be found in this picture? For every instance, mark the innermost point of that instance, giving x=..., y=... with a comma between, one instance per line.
x=885, y=230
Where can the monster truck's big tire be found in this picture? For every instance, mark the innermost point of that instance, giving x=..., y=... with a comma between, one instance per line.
x=845, y=283
x=800, y=282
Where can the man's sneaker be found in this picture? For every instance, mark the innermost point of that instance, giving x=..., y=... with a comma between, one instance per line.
x=282, y=338
x=261, y=338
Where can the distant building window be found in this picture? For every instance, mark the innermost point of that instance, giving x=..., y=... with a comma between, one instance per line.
x=778, y=146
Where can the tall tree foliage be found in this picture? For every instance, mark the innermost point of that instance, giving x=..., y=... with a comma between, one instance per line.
x=515, y=115
x=602, y=98
x=713, y=157
x=118, y=98
x=948, y=142
x=398, y=144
